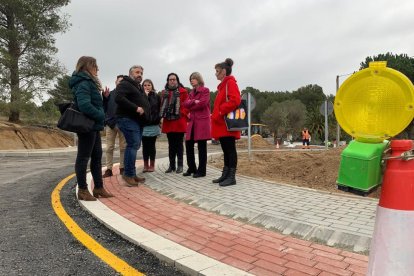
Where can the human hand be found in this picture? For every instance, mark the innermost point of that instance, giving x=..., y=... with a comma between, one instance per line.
x=140, y=110
x=106, y=92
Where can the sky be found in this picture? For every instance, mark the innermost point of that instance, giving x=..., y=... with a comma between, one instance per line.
x=276, y=45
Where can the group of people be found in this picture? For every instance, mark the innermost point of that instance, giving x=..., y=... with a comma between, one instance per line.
x=135, y=113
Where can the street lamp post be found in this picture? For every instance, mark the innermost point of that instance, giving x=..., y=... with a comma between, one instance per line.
x=338, y=128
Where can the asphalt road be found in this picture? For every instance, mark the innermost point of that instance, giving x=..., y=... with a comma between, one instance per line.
x=33, y=241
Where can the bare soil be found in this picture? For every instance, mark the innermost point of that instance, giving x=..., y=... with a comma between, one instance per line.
x=15, y=137
x=315, y=168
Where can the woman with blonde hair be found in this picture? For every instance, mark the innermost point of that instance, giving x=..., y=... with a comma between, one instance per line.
x=86, y=89
x=198, y=126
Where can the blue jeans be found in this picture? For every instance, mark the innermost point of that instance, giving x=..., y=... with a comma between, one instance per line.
x=133, y=134
x=89, y=147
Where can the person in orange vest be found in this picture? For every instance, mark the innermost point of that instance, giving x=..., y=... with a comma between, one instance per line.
x=305, y=138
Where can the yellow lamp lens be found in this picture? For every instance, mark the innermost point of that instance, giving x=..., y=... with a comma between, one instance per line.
x=375, y=103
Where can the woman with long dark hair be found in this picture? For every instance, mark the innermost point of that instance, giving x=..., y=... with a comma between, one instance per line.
x=152, y=128
x=174, y=120
x=227, y=99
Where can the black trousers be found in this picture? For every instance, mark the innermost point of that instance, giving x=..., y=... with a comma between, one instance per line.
x=89, y=147
x=228, y=145
x=202, y=156
x=148, y=147
x=175, y=148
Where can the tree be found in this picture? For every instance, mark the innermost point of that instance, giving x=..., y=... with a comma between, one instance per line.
x=285, y=117
x=402, y=63
x=310, y=95
x=27, y=47
x=61, y=93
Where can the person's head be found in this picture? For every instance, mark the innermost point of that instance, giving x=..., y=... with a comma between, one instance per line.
x=223, y=68
x=88, y=65
x=136, y=72
x=196, y=79
x=173, y=81
x=148, y=85
x=118, y=79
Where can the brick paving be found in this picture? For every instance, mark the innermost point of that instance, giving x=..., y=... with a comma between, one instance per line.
x=217, y=223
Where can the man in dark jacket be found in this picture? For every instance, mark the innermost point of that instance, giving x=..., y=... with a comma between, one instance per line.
x=112, y=131
x=132, y=115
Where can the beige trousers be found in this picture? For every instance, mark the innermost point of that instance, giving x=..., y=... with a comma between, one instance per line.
x=110, y=146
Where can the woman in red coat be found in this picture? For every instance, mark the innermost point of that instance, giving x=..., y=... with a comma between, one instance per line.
x=198, y=128
x=227, y=100
x=174, y=123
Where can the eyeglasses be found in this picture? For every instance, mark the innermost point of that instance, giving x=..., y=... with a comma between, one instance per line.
x=172, y=79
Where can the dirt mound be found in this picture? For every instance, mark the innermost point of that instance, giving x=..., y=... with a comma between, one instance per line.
x=256, y=142
x=14, y=137
x=304, y=168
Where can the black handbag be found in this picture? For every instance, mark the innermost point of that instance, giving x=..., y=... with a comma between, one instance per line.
x=236, y=120
x=73, y=120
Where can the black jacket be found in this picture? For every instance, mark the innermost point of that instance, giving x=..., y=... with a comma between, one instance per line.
x=155, y=105
x=129, y=97
x=110, y=109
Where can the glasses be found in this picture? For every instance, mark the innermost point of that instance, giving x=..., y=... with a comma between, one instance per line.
x=172, y=79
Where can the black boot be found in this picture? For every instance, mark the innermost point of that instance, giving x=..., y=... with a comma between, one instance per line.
x=170, y=169
x=189, y=172
x=179, y=165
x=231, y=178
x=223, y=175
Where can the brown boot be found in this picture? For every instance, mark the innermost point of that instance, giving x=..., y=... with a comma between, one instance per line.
x=101, y=192
x=146, y=167
x=108, y=173
x=130, y=181
x=83, y=194
x=139, y=179
x=152, y=166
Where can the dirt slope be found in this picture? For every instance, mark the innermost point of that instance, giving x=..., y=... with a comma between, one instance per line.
x=14, y=137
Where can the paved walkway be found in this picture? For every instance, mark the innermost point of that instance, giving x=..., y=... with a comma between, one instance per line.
x=255, y=227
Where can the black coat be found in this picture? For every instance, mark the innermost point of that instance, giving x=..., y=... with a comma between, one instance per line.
x=155, y=105
x=130, y=96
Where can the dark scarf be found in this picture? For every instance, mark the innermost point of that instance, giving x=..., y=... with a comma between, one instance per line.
x=170, y=107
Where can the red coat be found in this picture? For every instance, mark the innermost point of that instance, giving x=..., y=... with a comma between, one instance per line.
x=179, y=125
x=199, y=114
x=222, y=107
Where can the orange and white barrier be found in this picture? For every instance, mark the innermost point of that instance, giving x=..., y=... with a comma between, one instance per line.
x=392, y=246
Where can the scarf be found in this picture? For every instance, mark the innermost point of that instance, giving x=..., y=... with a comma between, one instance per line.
x=170, y=106
x=97, y=82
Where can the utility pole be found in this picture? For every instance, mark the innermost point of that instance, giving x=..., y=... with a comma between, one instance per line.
x=338, y=128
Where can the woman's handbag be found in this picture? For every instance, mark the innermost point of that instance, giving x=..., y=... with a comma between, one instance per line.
x=75, y=121
x=236, y=120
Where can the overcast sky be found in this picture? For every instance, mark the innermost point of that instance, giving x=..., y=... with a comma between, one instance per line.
x=276, y=45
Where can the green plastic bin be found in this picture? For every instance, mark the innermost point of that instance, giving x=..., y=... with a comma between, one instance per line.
x=360, y=167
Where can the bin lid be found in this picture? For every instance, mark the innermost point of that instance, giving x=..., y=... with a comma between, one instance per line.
x=364, y=151
x=375, y=103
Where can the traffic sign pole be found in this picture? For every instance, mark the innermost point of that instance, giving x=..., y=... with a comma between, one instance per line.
x=326, y=124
